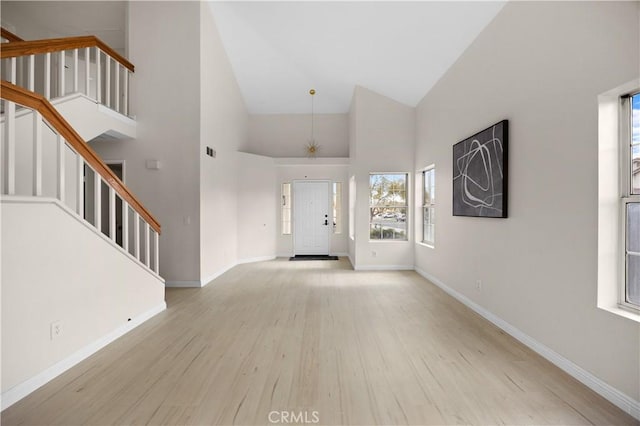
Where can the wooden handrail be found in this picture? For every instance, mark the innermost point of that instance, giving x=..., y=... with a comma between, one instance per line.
x=37, y=102
x=35, y=47
x=8, y=35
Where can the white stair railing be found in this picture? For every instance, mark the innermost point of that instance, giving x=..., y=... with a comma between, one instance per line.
x=58, y=67
x=73, y=173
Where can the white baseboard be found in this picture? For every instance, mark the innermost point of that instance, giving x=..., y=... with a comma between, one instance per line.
x=236, y=263
x=182, y=284
x=16, y=393
x=255, y=259
x=216, y=275
x=613, y=395
x=353, y=264
x=207, y=280
x=383, y=267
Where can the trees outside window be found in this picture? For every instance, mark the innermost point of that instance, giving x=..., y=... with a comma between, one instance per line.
x=388, y=206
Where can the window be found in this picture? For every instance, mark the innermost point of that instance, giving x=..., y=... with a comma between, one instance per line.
x=388, y=206
x=635, y=144
x=286, y=208
x=429, y=206
x=337, y=207
x=631, y=199
x=619, y=201
x=352, y=207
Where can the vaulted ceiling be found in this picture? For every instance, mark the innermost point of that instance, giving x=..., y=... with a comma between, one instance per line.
x=279, y=50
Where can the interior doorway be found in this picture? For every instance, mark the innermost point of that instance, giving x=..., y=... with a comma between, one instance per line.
x=117, y=167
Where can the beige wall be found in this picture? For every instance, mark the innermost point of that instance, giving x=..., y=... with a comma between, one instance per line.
x=352, y=220
x=199, y=104
x=384, y=132
x=257, y=201
x=165, y=98
x=540, y=65
x=223, y=122
x=287, y=135
x=90, y=298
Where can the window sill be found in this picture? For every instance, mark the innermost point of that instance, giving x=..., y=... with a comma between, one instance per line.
x=388, y=241
x=622, y=312
x=420, y=243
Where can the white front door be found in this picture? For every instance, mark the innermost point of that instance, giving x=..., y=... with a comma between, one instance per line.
x=311, y=221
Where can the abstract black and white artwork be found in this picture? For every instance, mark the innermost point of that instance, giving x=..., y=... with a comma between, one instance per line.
x=480, y=173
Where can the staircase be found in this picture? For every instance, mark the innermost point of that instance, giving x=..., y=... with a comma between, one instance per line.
x=80, y=253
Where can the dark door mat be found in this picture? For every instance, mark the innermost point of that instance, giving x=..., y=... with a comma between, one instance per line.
x=313, y=257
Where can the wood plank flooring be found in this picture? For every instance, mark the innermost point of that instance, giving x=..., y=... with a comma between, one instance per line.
x=314, y=338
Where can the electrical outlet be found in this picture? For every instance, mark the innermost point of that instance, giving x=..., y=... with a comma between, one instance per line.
x=374, y=254
x=56, y=329
x=479, y=285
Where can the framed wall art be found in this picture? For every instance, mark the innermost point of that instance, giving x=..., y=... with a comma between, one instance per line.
x=480, y=165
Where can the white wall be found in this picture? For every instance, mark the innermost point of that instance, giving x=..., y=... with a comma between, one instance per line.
x=384, y=132
x=91, y=295
x=34, y=20
x=257, y=203
x=287, y=135
x=165, y=98
x=541, y=65
x=223, y=125
x=352, y=191
x=199, y=105
x=91, y=120
x=183, y=104
x=333, y=169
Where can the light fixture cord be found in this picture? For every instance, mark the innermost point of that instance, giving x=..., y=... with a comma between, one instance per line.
x=312, y=140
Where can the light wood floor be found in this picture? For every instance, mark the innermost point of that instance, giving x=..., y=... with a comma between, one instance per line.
x=356, y=347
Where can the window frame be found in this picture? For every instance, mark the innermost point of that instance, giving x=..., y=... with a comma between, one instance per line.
x=626, y=195
x=285, y=205
x=405, y=206
x=352, y=208
x=431, y=205
x=336, y=200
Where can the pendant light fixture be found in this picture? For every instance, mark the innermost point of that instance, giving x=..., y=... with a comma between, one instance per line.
x=312, y=147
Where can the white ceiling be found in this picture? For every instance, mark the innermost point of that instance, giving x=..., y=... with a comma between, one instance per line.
x=279, y=50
